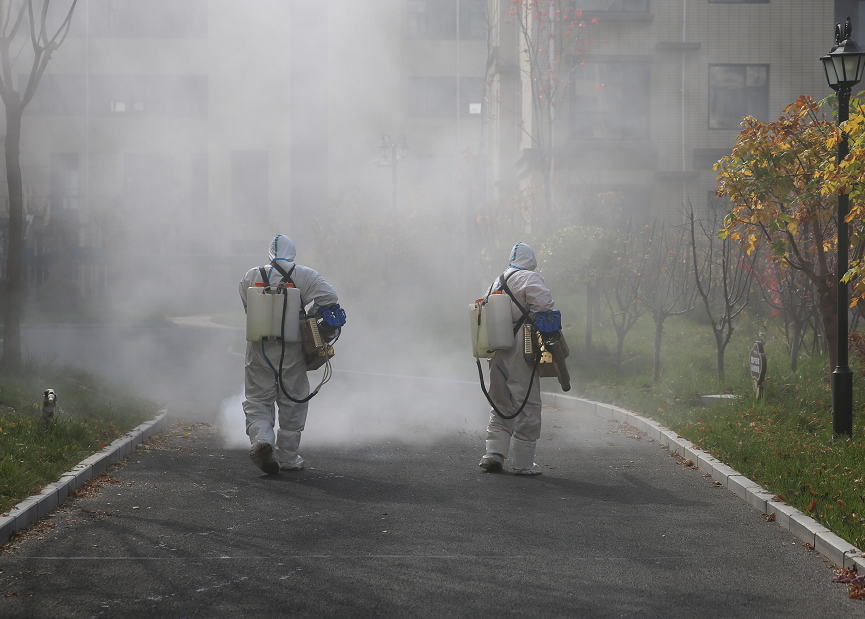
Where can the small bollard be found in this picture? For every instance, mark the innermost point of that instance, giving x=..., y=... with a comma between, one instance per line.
x=49, y=404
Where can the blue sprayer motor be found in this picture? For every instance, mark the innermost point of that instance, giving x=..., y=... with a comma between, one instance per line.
x=332, y=317
x=549, y=322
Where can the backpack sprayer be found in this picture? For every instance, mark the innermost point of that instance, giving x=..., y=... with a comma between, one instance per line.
x=546, y=339
x=275, y=313
x=493, y=329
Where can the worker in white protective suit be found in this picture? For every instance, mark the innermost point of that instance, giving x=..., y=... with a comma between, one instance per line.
x=271, y=452
x=510, y=373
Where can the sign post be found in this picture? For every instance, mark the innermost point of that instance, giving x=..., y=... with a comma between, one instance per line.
x=758, y=362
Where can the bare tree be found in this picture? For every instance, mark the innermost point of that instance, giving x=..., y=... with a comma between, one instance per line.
x=668, y=288
x=722, y=273
x=622, y=283
x=793, y=299
x=16, y=17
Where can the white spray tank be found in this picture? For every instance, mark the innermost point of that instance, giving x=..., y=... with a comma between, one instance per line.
x=496, y=328
x=264, y=305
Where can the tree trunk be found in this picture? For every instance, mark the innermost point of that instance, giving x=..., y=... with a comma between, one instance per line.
x=12, y=309
x=620, y=345
x=796, y=344
x=721, y=348
x=590, y=319
x=659, y=334
x=828, y=305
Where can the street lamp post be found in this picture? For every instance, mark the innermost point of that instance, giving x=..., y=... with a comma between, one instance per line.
x=392, y=152
x=844, y=65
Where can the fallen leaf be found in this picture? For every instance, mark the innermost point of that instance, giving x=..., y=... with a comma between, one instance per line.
x=812, y=505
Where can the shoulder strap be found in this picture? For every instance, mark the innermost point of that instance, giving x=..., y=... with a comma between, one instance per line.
x=286, y=275
x=264, y=276
x=504, y=283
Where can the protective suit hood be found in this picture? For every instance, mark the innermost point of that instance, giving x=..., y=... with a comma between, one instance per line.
x=522, y=257
x=282, y=249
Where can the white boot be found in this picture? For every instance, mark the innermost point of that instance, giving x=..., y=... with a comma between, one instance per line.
x=261, y=454
x=287, y=444
x=491, y=463
x=524, y=457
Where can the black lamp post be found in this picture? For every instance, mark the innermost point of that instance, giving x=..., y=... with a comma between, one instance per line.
x=844, y=66
x=391, y=153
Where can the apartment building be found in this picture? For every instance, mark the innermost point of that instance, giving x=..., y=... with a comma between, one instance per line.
x=159, y=135
x=184, y=132
x=656, y=91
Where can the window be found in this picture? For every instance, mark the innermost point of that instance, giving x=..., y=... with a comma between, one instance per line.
x=250, y=185
x=64, y=181
x=436, y=19
x=57, y=95
x=435, y=97
x=148, y=95
x=610, y=101
x=151, y=187
x=611, y=5
x=719, y=207
x=736, y=91
x=154, y=19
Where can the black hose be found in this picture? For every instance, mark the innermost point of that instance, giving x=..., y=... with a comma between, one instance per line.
x=528, y=391
x=282, y=357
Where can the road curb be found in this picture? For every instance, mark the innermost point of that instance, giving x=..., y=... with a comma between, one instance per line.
x=40, y=505
x=788, y=517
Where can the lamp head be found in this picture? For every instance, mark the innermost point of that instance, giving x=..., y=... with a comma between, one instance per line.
x=845, y=62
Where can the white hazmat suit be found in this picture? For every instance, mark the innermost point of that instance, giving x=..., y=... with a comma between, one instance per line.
x=510, y=373
x=271, y=451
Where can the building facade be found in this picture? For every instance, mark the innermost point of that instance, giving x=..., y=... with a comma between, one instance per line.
x=652, y=96
x=185, y=133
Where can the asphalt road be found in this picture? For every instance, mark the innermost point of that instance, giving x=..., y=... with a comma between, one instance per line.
x=615, y=527
x=393, y=518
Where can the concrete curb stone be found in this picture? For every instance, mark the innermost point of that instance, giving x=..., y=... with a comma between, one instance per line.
x=788, y=517
x=782, y=513
x=857, y=562
x=40, y=505
x=806, y=528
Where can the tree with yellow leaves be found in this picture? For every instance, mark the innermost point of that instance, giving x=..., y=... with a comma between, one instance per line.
x=782, y=178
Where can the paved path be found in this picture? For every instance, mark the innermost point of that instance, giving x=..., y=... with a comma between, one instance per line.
x=614, y=528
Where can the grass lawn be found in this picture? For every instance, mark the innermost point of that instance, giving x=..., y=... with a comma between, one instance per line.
x=91, y=413
x=783, y=442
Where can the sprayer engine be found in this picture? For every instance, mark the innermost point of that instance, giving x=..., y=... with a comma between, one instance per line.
x=545, y=339
x=318, y=332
